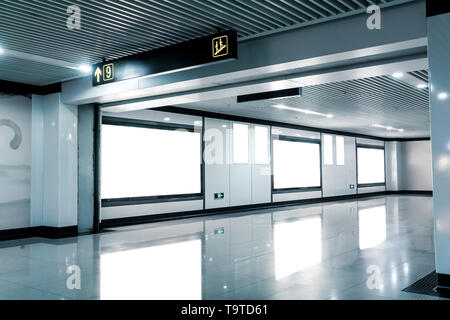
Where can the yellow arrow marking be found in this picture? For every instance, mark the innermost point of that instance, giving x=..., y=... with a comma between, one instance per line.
x=98, y=73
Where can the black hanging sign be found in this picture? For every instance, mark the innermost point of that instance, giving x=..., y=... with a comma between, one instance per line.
x=190, y=54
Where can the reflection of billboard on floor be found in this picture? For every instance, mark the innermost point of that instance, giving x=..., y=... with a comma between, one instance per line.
x=162, y=272
x=298, y=245
x=372, y=227
x=15, y=160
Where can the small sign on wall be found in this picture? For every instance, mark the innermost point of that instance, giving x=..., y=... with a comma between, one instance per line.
x=352, y=186
x=219, y=196
x=219, y=231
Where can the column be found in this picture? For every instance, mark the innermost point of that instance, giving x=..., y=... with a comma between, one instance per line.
x=438, y=19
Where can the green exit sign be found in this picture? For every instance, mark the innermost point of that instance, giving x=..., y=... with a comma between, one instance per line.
x=219, y=231
x=219, y=196
x=352, y=186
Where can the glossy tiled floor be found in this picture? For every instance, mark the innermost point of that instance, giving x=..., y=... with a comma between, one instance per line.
x=369, y=249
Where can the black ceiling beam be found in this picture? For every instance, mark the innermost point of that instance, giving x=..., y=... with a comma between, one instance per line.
x=21, y=89
x=270, y=95
x=435, y=7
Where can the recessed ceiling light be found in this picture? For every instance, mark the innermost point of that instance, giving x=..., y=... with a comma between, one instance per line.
x=398, y=75
x=442, y=96
x=224, y=126
x=422, y=86
x=85, y=68
x=304, y=111
x=167, y=119
x=387, y=128
x=2, y=51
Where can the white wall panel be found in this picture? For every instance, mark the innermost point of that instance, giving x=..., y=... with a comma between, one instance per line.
x=86, y=151
x=68, y=165
x=293, y=196
x=261, y=168
x=60, y=163
x=415, y=166
x=261, y=184
x=51, y=161
x=54, y=163
x=150, y=209
x=438, y=48
x=240, y=184
x=37, y=161
x=337, y=179
x=241, y=171
x=392, y=165
x=371, y=190
x=408, y=166
x=15, y=162
x=217, y=159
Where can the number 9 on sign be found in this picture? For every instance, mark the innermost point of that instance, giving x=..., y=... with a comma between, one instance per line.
x=108, y=72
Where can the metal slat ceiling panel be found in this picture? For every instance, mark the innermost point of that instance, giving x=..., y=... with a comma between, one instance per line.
x=356, y=106
x=19, y=71
x=117, y=28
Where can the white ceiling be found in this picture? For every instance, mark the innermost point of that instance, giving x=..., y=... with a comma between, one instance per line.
x=356, y=106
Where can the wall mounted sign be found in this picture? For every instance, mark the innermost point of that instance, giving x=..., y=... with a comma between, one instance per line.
x=219, y=231
x=219, y=196
x=211, y=49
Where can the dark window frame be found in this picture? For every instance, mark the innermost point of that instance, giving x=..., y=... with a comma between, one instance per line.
x=375, y=184
x=317, y=141
x=138, y=123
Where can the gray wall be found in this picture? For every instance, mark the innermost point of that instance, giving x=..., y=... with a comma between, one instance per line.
x=86, y=118
x=415, y=166
x=15, y=162
x=54, y=167
x=392, y=164
x=408, y=167
x=242, y=184
x=336, y=179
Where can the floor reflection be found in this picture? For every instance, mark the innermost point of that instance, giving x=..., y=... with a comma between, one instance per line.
x=298, y=245
x=301, y=252
x=372, y=227
x=170, y=271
